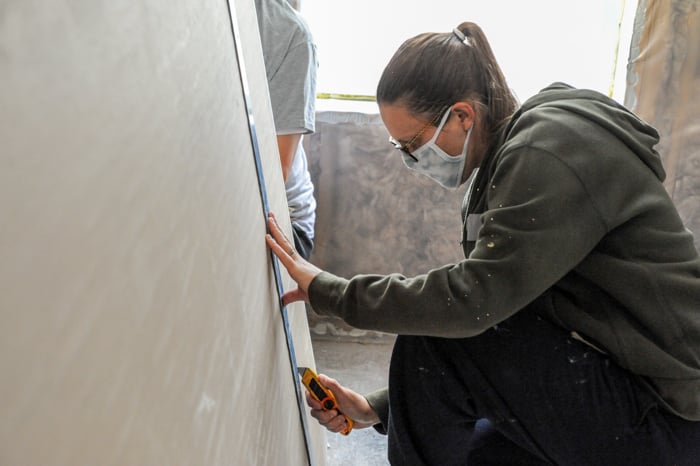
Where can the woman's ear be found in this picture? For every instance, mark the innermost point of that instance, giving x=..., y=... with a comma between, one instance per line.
x=465, y=112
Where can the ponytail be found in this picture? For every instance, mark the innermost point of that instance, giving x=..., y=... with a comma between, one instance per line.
x=434, y=70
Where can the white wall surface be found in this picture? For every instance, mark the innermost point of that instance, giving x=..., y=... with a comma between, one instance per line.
x=139, y=321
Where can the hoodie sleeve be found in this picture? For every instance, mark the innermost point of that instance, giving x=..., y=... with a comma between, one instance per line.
x=379, y=401
x=540, y=222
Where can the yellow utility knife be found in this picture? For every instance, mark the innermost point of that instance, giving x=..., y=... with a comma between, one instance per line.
x=323, y=395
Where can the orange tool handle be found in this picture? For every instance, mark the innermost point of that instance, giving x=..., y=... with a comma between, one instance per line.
x=323, y=395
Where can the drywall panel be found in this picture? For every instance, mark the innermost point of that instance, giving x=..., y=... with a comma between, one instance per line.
x=139, y=320
x=663, y=78
x=251, y=55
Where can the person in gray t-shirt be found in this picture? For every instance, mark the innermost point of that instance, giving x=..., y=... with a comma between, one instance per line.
x=290, y=62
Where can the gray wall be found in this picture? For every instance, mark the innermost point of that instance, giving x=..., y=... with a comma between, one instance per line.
x=374, y=215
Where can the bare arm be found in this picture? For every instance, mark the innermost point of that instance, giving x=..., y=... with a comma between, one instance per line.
x=287, y=144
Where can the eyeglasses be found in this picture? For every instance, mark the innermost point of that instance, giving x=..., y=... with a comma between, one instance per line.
x=406, y=148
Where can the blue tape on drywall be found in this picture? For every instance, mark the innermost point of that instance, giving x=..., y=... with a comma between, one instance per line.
x=266, y=210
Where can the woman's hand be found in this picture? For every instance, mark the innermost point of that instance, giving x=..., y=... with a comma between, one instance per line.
x=300, y=270
x=351, y=403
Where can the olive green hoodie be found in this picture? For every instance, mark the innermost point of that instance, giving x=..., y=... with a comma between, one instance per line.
x=567, y=214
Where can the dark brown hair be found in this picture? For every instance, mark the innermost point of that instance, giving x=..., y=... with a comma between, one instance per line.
x=434, y=70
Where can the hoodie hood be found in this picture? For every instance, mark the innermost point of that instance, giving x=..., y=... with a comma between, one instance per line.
x=636, y=134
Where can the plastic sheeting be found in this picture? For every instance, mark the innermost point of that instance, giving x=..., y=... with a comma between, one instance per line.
x=663, y=80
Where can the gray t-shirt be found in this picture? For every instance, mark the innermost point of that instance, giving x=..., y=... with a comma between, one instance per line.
x=291, y=63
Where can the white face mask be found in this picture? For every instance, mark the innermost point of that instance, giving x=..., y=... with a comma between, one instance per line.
x=436, y=163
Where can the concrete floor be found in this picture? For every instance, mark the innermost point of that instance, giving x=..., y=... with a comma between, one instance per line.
x=363, y=367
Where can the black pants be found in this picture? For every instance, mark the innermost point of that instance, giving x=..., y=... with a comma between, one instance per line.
x=302, y=243
x=526, y=393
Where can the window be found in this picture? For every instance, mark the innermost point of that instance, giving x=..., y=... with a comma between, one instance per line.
x=536, y=42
